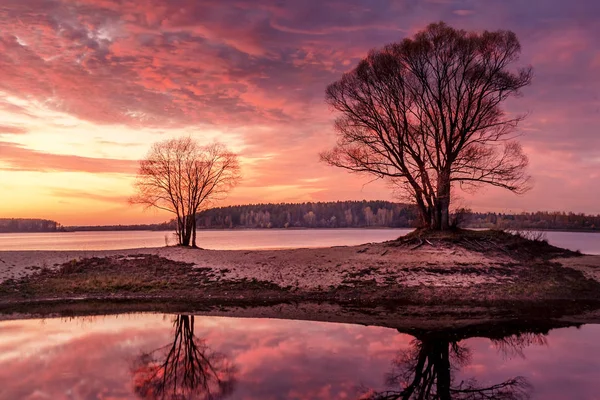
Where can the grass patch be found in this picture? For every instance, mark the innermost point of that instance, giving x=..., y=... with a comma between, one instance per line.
x=139, y=276
x=492, y=242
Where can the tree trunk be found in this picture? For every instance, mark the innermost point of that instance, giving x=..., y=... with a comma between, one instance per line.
x=443, y=370
x=180, y=230
x=424, y=214
x=194, y=231
x=436, y=217
x=445, y=213
x=185, y=238
x=187, y=233
x=442, y=208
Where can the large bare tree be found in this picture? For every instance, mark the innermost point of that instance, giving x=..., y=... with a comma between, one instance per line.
x=425, y=113
x=182, y=177
x=426, y=370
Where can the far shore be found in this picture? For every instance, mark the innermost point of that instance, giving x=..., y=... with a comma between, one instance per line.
x=100, y=229
x=476, y=276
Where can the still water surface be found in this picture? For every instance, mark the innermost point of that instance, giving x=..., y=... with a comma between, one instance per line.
x=217, y=239
x=588, y=243
x=149, y=356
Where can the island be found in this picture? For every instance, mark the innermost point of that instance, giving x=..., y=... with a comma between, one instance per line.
x=423, y=279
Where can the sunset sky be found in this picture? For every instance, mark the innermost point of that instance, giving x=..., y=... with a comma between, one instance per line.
x=87, y=86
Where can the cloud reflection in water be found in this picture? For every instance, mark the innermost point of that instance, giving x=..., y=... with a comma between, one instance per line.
x=113, y=357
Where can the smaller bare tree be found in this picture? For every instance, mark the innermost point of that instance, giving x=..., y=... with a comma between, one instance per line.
x=185, y=369
x=182, y=177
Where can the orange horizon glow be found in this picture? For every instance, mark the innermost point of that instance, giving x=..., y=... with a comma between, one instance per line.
x=88, y=86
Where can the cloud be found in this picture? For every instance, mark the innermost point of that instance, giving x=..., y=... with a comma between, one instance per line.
x=115, y=143
x=97, y=195
x=18, y=158
x=12, y=130
x=464, y=13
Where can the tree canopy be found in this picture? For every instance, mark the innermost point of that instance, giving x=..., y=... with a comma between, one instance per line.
x=425, y=113
x=182, y=177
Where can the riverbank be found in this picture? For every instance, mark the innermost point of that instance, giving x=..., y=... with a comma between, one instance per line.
x=464, y=272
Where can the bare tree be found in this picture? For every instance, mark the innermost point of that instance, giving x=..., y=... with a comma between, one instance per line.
x=184, y=369
x=426, y=369
x=182, y=177
x=425, y=113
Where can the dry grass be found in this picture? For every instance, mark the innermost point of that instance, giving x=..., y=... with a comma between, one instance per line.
x=490, y=242
x=141, y=275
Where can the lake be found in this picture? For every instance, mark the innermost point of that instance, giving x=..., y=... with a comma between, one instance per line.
x=209, y=239
x=152, y=356
x=245, y=239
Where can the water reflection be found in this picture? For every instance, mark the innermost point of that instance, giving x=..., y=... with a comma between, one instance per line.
x=186, y=368
x=427, y=369
x=153, y=356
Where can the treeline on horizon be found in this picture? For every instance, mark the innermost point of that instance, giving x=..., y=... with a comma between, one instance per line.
x=11, y=225
x=24, y=225
x=339, y=214
x=163, y=226
x=378, y=214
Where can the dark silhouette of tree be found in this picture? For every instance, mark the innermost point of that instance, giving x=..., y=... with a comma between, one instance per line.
x=182, y=177
x=183, y=370
x=425, y=371
x=513, y=345
x=425, y=113
x=28, y=225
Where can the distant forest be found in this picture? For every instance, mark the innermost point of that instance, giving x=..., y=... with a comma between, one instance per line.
x=16, y=225
x=540, y=220
x=380, y=214
x=340, y=214
x=164, y=226
x=10, y=225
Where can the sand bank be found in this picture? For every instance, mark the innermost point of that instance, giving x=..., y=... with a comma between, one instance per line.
x=477, y=270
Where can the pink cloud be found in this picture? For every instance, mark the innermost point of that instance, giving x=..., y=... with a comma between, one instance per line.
x=464, y=13
x=18, y=158
x=97, y=195
x=12, y=130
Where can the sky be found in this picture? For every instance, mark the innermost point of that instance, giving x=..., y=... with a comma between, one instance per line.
x=87, y=86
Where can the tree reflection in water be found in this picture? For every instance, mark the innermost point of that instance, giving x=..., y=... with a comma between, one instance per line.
x=184, y=369
x=426, y=369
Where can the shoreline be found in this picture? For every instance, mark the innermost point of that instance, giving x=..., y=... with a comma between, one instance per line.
x=473, y=275
x=405, y=318
x=236, y=229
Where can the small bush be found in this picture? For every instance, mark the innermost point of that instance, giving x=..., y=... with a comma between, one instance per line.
x=534, y=236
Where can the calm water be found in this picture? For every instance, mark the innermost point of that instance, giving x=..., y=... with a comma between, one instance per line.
x=147, y=356
x=218, y=240
x=588, y=243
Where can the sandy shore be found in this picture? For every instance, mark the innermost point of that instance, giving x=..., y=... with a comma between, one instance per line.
x=304, y=268
x=588, y=265
x=459, y=276
x=310, y=268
